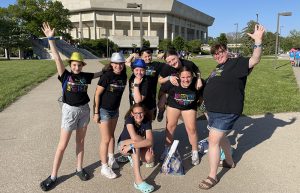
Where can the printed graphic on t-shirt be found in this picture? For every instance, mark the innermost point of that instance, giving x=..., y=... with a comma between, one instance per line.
x=150, y=71
x=184, y=99
x=116, y=86
x=216, y=72
x=77, y=85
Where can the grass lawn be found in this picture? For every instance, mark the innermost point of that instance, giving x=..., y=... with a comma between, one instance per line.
x=20, y=76
x=268, y=89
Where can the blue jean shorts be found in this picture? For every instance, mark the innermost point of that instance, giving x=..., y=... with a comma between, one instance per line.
x=221, y=121
x=106, y=115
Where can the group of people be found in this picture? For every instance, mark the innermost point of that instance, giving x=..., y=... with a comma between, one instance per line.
x=180, y=92
x=294, y=55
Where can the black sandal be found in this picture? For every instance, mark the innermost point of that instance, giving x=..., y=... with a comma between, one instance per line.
x=83, y=175
x=47, y=184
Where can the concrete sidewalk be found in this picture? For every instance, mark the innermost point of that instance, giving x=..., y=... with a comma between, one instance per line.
x=267, y=151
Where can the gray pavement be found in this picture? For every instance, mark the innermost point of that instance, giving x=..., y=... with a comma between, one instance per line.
x=267, y=150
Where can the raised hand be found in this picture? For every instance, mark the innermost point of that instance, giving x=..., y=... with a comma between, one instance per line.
x=47, y=30
x=258, y=33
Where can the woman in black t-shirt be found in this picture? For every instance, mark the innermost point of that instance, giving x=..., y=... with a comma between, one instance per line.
x=182, y=101
x=170, y=73
x=224, y=99
x=108, y=95
x=136, y=140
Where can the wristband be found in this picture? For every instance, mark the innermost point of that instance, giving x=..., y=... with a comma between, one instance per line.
x=135, y=85
x=132, y=147
x=169, y=77
x=51, y=38
x=257, y=46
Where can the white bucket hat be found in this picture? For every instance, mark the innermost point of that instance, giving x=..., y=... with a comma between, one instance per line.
x=117, y=57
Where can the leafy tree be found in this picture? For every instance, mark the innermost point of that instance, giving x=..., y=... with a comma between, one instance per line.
x=222, y=39
x=12, y=35
x=178, y=43
x=246, y=40
x=146, y=43
x=165, y=44
x=99, y=46
x=268, y=43
x=32, y=13
x=194, y=46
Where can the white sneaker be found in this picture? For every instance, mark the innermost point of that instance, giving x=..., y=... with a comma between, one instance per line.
x=107, y=172
x=113, y=164
x=195, y=158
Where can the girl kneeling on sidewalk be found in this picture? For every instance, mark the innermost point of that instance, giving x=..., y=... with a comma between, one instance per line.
x=136, y=140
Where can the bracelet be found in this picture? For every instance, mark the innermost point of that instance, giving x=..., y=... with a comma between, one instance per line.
x=51, y=38
x=135, y=85
x=132, y=147
x=169, y=77
x=257, y=46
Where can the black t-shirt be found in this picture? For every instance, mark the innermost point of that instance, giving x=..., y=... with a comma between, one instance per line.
x=144, y=88
x=171, y=71
x=153, y=70
x=181, y=98
x=225, y=88
x=75, y=87
x=114, y=85
x=139, y=129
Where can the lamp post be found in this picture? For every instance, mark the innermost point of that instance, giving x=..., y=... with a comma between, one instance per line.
x=106, y=36
x=279, y=37
x=277, y=32
x=135, y=5
x=236, y=33
x=257, y=18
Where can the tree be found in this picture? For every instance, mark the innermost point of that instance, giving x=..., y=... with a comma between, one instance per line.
x=246, y=40
x=178, y=43
x=194, y=46
x=146, y=43
x=12, y=35
x=222, y=39
x=165, y=44
x=32, y=13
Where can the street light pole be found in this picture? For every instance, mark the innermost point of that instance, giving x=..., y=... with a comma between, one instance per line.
x=135, y=5
x=236, y=35
x=277, y=32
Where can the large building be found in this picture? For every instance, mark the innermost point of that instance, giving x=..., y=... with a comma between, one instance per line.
x=161, y=19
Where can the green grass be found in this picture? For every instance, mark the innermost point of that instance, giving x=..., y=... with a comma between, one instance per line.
x=20, y=76
x=268, y=89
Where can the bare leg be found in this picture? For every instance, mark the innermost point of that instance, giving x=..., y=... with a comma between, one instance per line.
x=189, y=118
x=80, y=135
x=172, y=117
x=62, y=145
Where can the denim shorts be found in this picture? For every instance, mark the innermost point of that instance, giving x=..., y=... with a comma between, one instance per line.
x=221, y=121
x=105, y=115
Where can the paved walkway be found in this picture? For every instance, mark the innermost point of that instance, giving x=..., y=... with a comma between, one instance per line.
x=267, y=151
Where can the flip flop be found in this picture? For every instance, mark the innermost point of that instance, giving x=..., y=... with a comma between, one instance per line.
x=144, y=187
x=224, y=164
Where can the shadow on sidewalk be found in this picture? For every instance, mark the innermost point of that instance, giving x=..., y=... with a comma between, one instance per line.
x=250, y=132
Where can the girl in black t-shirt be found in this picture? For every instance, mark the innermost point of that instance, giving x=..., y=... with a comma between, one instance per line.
x=75, y=108
x=139, y=86
x=106, y=110
x=182, y=101
x=136, y=140
x=170, y=73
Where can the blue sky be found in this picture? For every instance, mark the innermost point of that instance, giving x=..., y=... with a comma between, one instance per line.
x=229, y=12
